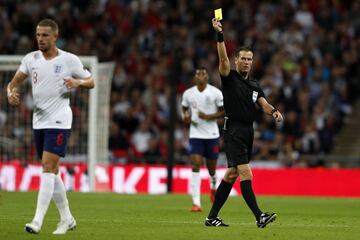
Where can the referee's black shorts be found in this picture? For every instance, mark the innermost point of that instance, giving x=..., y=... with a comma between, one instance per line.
x=238, y=139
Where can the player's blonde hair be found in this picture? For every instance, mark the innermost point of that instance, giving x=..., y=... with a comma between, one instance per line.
x=47, y=22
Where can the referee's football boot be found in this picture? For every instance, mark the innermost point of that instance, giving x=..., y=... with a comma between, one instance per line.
x=32, y=227
x=265, y=219
x=215, y=222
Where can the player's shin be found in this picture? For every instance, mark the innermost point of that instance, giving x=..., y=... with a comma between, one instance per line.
x=195, y=188
x=44, y=197
x=213, y=180
x=61, y=200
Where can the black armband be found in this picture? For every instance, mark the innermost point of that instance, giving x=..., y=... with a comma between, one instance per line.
x=220, y=37
x=272, y=111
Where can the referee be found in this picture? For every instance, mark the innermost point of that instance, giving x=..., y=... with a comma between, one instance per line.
x=241, y=93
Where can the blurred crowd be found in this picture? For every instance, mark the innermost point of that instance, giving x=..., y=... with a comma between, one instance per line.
x=306, y=57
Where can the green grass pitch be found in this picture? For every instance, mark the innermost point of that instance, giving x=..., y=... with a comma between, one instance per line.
x=113, y=216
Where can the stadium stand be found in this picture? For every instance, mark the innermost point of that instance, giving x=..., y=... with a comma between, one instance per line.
x=307, y=55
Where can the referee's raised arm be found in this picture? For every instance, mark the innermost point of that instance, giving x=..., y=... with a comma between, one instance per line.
x=224, y=62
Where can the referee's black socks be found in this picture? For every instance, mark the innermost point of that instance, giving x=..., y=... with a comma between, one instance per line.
x=249, y=197
x=221, y=195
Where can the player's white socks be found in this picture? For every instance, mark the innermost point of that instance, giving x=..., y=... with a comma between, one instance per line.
x=213, y=180
x=45, y=194
x=195, y=188
x=60, y=199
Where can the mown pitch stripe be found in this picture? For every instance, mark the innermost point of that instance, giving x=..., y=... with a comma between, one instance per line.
x=8, y=218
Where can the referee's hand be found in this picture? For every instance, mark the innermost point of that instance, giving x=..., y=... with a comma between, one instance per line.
x=217, y=25
x=277, y=116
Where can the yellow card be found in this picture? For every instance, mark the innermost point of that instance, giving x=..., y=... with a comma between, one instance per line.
x=218, y=14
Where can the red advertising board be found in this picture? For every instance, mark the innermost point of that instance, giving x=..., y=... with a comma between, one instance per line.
x=132, y=179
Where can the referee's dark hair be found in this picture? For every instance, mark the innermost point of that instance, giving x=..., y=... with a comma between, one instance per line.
x=243, y=48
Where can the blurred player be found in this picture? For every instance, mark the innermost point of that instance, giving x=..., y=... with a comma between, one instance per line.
x=53, y=73
x=202, y=104
x=241, y=94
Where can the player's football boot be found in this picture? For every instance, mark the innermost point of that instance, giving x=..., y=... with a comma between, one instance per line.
x=212, y=195
x=32, y=227
x=265, y=219
x=195, y=208
x=215, y=222
x=64, y=226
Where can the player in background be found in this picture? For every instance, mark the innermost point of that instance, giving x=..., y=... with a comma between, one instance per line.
x=53, y=74
x=202, y=105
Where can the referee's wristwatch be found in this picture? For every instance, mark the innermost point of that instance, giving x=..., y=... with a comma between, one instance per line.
x=272, y=111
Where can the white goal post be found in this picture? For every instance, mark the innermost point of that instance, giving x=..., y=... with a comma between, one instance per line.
x=91, y=117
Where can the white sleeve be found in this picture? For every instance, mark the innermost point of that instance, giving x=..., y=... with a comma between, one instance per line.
x=24, y=65
x=77, y=68
x=184, y=101
x=219, y=98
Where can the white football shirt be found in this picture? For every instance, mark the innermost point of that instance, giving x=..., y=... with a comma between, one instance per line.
x=51, y=97
x=208, y=101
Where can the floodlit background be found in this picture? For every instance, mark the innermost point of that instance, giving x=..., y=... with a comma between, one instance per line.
x=306, y=59
x=128, y=138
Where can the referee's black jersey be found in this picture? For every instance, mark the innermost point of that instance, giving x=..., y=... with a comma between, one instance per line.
x=240, y=97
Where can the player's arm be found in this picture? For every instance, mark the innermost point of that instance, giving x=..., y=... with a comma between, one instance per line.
x=12, y=88
x=79, y=82
x=79, y=76
x=224, y=62
x=269, y=109
x=218, y=114
x=186, y=115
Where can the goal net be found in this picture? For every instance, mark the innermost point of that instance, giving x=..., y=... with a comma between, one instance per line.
x=88, y=141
